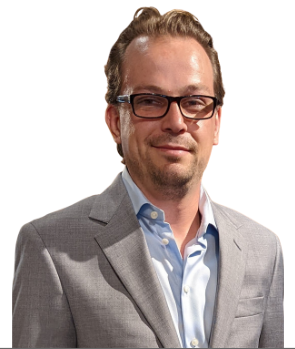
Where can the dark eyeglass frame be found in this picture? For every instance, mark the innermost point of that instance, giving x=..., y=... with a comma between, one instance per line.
x=130, y=98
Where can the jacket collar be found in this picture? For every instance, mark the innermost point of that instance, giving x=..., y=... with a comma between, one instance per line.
x=120, y=237
x=233, y=249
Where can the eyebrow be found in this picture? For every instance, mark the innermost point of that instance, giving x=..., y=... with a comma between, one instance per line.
x=199, y=87
x=190, y=89
x=151, y=88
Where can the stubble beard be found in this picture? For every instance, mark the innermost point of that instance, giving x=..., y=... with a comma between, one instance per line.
x=173, y=183
x=168, y=179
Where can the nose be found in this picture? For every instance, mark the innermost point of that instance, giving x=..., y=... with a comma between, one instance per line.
x=173, y=121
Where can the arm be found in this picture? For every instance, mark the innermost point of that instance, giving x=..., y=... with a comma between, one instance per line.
x=41, y=313
x=272, y=335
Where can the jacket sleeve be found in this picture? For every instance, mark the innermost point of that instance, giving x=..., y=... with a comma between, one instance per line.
x=272, y=335
x=41, y=313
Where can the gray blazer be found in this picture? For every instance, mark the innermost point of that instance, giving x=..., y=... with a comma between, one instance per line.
x=84, y=278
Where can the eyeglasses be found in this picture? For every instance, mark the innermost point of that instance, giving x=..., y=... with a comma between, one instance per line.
x=155, y=106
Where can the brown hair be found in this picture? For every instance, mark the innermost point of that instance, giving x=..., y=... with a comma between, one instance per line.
x=151, y=23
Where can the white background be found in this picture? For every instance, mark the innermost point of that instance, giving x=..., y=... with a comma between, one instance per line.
x=56, y=148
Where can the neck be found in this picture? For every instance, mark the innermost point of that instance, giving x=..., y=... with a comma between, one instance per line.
x=181, y=211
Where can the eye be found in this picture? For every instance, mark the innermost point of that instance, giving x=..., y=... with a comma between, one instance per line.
x=149, y=101
x=197, y=106
x=193, y=103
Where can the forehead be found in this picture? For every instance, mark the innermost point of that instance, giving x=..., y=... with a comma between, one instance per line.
x=167, y=63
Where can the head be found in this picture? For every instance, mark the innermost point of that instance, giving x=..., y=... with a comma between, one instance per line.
x=171, y=55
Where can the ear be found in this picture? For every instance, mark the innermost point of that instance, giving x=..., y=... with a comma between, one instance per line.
x=112, y=118
x=217, y=120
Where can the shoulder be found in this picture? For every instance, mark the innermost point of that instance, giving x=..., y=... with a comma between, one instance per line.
x=68, y=216
x=77, y=219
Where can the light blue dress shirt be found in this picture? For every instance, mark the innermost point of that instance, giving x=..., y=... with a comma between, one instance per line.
x=189, y=284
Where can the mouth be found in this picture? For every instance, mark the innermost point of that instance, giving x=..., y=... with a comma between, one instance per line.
x=173, y=149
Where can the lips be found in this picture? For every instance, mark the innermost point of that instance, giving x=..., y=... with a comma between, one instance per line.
x=172, y=147
x=172, y=150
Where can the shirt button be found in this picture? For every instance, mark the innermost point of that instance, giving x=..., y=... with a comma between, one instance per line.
x=194, y=342
x=186, y=288
x=154, y=215
x=165, y=241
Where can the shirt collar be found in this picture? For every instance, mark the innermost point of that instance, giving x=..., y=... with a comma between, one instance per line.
x=138, y=200
x=136, y=195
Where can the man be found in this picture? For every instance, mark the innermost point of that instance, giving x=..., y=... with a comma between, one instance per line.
x=152, y=261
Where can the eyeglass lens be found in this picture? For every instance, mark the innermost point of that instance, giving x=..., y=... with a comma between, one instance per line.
x=156, y=106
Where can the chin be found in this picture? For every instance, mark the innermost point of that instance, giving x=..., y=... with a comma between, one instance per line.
x=177, y=173
x=171, y=175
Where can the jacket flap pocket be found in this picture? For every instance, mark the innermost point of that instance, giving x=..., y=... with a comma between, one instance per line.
x=250, y=306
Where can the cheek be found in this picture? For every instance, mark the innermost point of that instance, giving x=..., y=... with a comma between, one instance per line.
x=204, y=135
x=127, y=127
x=133, y=136
x=127, y=130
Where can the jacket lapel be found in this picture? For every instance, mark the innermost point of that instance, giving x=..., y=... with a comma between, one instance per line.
x=123, y=243
x=232, y=262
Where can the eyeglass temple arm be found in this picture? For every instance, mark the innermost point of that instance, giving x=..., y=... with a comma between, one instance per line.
x=123, y=99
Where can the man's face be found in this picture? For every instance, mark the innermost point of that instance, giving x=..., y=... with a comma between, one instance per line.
x=171, y=153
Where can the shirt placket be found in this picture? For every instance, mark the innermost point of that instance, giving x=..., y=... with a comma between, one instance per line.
x=193, y=334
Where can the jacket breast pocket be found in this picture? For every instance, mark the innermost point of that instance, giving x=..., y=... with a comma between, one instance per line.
x=250, y=307
x=246, y=327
